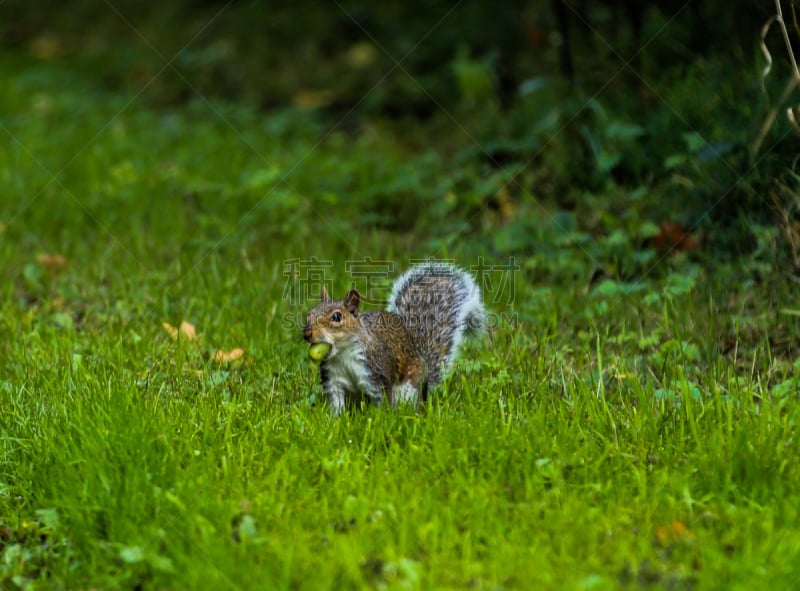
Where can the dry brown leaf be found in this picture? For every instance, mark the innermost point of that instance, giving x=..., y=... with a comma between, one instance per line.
x=228, y=356
x=673, y=236
x=185, y=331
x=51, y=261
x=46, y=47
x=312, y=99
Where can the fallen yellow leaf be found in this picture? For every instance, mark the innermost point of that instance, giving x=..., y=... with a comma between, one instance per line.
x=52, y=262
x=173, y=332
x=228, y=356
x=186, y=331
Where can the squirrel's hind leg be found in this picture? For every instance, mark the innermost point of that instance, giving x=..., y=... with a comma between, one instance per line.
x=405, y=393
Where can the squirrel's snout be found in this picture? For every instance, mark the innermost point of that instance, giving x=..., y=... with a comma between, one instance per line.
x=307, y=332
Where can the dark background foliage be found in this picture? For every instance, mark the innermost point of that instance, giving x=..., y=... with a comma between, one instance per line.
x=643, y=117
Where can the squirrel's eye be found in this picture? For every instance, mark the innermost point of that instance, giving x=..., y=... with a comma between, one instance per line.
x=336, y=317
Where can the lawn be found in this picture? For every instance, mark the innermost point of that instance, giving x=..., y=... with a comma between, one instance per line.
x=628, y=433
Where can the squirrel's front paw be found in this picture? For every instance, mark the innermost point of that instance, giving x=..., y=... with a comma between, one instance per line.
x=336, y=403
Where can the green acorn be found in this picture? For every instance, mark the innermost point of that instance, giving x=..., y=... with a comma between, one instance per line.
x=318, y=351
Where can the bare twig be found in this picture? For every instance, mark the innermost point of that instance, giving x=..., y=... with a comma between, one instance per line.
x=786, y=39
x=791, y=84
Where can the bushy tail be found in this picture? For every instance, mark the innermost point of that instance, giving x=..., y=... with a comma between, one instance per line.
x=439, y=304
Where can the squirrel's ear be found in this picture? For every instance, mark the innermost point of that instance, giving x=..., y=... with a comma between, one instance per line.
x=325, y=296
x=351, y=302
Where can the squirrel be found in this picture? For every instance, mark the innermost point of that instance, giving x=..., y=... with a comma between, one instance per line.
x=399, y=354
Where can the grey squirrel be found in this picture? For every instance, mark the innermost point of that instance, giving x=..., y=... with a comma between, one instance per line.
x=399, y=354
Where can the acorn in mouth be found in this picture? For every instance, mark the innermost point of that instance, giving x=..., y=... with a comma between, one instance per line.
x=318, y=351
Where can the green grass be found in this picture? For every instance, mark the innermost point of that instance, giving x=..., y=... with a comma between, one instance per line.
x=636, y=436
